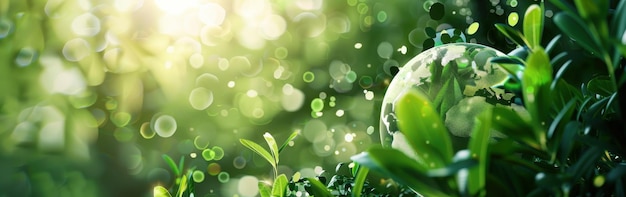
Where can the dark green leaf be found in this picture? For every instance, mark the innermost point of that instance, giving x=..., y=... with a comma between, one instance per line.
x=585, y=163
x=576, y=29
x=264, y=190
x=558, y=126
x=601, y=85
x=533, y=25
x=553, y=43
x=478, y=146
x=563, y=5
x=170, y=162
x=256, y=148
x=291, y=137
x=271, y=142
x=567, y=140
x=160, y=191
x=280, y=184
x=512, y=34
x=452, y=168
x=618, y=23
x=424, y=130
x=618, y=172
x=559, y=74
x=401, y=168
x=359, y=181
x=317, y=188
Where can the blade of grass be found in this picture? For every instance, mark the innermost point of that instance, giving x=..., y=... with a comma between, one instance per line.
x=170, y=162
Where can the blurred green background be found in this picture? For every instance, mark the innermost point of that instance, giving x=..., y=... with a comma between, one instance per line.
x=94, y=92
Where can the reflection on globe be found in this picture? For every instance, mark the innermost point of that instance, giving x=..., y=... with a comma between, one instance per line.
x=460, y=81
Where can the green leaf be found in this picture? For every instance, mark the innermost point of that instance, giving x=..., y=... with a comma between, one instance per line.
x=553, y=43
x=478, y=146
x=280, y=184
x=359, y=181
x=576, y=29
x=318, y=189
x=618, y=23
x=291, y=137
x=536, y=85
x=515, y=127
x=160, y=191
x=533, y=25
x=563, y=5
x=585, y=163
x=601, y=85
x=401, y=168
x=592, y=10
x=264, y=190
x=256, y=148
x=182, y=187
x=181, y=163
x=424, y=130
x=557, y=128
x=271, y=142
x=170, y=162
x=567, y=140
x=512, y=34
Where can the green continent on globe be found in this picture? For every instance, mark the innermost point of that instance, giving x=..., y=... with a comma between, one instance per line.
x=460, y=81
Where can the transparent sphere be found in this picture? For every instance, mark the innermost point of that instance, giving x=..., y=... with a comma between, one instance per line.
x=460, y=81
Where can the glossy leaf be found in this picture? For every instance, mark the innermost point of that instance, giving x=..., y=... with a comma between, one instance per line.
x=585, y=163
x=559, y=74
x=170, y=162
x=160, y=191
x=280, y=186
x=512, y=34
x=401, y=168
x=264, y=190
x=317, y=188
x=256, y=148
x=289, y=139
x=359, y=181
x=533, y=25
x=182, y=187
x=567, y=140
x=271, y=142
x=576, y=29
x=563, y=5
x=553, y=43
x=423, y=129
x=601, y=85
x=558, y=125
x=478, y=147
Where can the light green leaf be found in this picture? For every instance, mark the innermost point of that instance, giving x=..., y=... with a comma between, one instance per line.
x=160, y=191
x=264, y=190
x=576, y=29
x=318, y=189
x=170, y=162
x=291, y=137
x=514, y=126
x=280, y=184
x=182, y=187
x=533, y=25
x=256, y=148
x=536, y=83
x=401, y=168
x=478, y=146
x=359, y=181
x=424, y=130
x=512, y=34
x=271, y=142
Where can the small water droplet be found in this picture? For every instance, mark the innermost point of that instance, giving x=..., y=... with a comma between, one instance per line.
x=6, y=27
x=26, y=56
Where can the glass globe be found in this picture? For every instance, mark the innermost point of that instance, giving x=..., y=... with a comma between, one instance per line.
x=460, y=81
